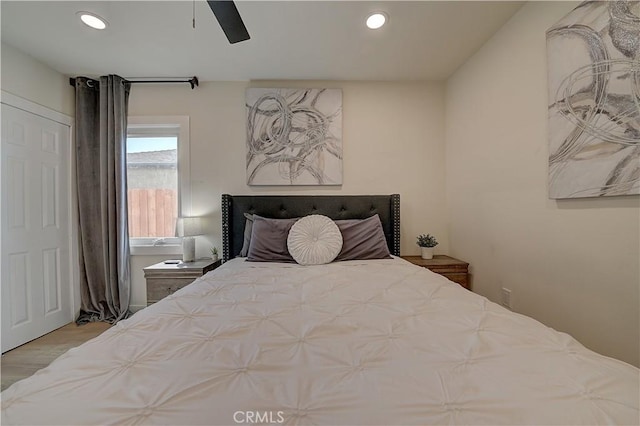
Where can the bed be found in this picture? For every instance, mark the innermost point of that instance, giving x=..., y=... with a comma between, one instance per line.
x=357, y=342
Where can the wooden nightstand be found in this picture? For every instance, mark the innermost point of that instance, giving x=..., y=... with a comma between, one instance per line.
x=164, y=279
x=454, y=269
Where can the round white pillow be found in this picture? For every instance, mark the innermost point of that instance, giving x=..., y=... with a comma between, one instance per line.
x=314, y=240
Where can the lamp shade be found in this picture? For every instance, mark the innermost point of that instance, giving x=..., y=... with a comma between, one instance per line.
x=188, y=226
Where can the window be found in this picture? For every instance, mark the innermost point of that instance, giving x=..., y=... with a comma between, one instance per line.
x=157, y=179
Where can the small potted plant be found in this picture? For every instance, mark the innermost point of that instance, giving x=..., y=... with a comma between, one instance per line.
x=214, y=254
x=426, y=243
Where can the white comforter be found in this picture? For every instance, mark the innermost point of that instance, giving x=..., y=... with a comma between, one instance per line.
x=374, y=342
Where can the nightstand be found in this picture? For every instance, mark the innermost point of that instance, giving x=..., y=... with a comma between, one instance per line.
x=164, y=279
x=454, y=269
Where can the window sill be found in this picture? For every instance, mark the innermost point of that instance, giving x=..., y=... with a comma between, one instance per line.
x=156, y=250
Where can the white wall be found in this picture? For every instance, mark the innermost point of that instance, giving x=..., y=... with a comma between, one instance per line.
x=572, y=264
x=30, y=79
x=393, y=142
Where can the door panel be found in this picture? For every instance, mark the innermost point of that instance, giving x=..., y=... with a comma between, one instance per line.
x=20, y=288
x=16, y=201
x=36, y=278
x=51, y=280
x=49, y=196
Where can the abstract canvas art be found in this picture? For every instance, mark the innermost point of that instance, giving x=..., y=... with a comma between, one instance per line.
x=294, y=136
x=594, y=101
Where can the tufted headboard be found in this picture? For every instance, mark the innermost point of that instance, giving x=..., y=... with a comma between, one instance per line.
x=288, y=206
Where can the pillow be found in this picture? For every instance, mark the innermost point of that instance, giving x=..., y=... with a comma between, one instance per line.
x=269, y=240
x=314, y=240
x=362, y=239
x=248, y=226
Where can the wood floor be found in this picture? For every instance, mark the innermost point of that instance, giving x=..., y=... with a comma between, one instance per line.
x=25, y=360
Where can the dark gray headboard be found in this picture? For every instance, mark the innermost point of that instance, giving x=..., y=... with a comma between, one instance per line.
x=288, y=206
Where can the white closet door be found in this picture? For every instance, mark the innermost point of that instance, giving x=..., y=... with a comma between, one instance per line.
x=35, y=270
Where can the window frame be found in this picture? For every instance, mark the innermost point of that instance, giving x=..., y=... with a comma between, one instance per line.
x=165, y=126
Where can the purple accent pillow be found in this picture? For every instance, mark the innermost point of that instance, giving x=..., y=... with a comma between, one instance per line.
x=362, y=239
x=269, y=240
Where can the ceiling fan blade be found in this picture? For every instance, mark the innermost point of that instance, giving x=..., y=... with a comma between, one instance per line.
x=229, y=19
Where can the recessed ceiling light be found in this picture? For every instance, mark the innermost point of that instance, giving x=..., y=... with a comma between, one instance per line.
x=376, y=20
x=92, y=20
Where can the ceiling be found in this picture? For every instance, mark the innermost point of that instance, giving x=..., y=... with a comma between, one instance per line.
x=300, y=40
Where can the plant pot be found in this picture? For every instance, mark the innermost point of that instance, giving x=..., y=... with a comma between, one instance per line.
x=426, y=252
x=214, y=257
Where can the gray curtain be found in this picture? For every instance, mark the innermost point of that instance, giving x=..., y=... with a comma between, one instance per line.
x=101, y=175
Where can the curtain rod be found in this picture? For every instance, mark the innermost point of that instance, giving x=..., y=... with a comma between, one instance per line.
x=193, y=81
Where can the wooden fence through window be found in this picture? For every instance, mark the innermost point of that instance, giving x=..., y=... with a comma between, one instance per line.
x=152, y=212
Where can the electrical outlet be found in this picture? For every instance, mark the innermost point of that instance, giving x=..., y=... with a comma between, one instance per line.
x=506, y=298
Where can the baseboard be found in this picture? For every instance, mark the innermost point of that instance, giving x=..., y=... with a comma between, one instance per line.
x=136, y=308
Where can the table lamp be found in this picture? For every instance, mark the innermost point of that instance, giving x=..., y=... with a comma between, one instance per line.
x=188, y=228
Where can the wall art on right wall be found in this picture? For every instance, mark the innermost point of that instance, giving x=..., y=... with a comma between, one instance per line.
x=593, y=59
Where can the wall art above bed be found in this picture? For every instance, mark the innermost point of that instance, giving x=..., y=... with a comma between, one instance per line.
x=594, y=101
x=294, y=136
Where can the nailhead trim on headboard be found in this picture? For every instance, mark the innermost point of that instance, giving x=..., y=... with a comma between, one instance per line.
x=226, y=204
x=395, y=218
